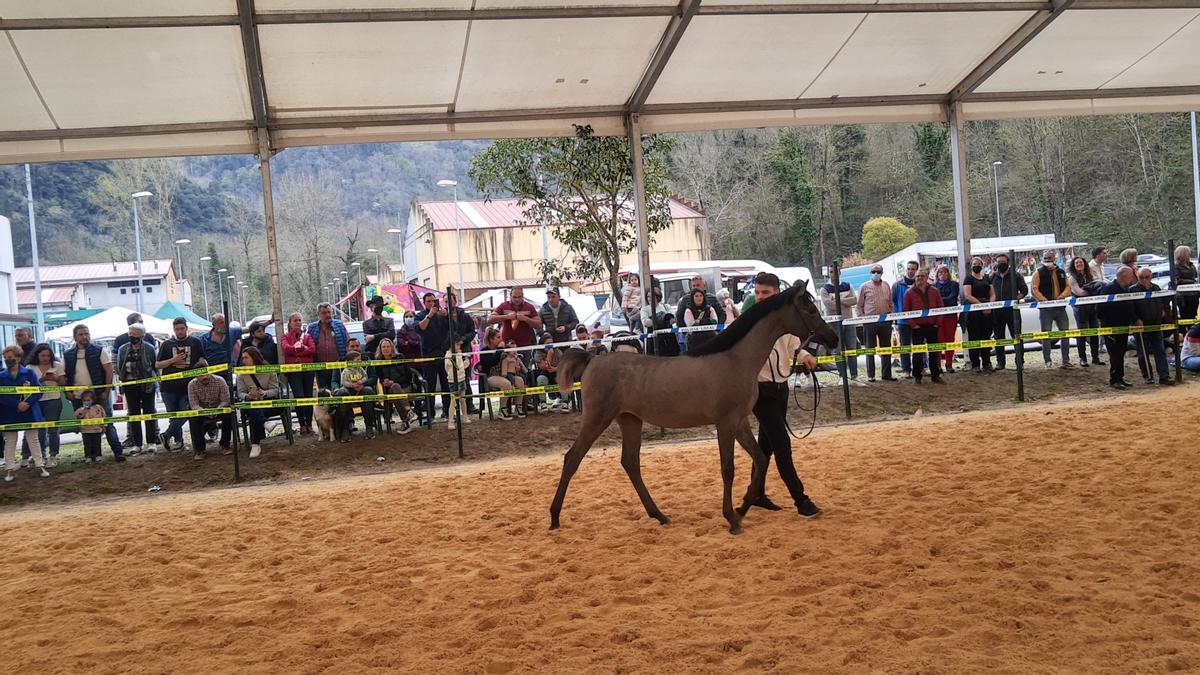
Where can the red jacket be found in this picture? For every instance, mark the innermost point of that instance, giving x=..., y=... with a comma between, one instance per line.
x=302, y=354
x=915, y=300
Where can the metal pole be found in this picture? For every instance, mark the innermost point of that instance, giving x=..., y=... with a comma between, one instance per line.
x=1177, y=332
x=33, y=248
x=137, y=245
x=220, y=292
x=1196, y=177
x=958, y=164
x=633, y=128
x=1019, y=348
x=462, y=288
x=235, y=433
x=843, y=367
x=204, y=283
x=456, y=399
x=996, y=184
x=178, y=262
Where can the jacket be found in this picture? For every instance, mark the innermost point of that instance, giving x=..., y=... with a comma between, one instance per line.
x=92, y=357
x=268, y=382
x=1151, y=310
x=377, y=330
x=1046, y=281
x=566, y=318
x=1002, y=284
x=914, y=300
x=632, y=298
x=147, y=366
x=408, y=343
x=709, y=298
x=123, y=339
x=268, y=348
x=302, y=354
x=898, y=292
x=949, y=290
x=875, y=299
x=9, y=414
x=339, y=336
x=1114, y=314
x=829, y=299
x=464, y=368
x=399, y=373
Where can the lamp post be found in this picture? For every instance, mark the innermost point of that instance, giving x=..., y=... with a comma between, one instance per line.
x=400, y=245
x=344, y=290
x=453, y=184
x=204, y=282
x=359, y=266
x=996, y=185
x=221, y=290
x=179, y=254
x=33, y=246
x=245, y=290
x=233, y=296
x=137, y=246
x=378, y=265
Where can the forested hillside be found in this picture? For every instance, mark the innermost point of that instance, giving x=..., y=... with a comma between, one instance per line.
x=786, y=196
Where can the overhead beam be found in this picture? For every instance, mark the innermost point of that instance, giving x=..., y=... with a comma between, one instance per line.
x=1000, y=56
x=873, y=8
x=1077, y=94
x=252, y=55
x=666, y=46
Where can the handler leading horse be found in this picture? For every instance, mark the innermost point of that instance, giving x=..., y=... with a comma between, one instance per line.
x=714, y=384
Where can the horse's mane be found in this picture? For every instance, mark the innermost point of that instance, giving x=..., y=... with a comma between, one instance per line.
x=737, y=330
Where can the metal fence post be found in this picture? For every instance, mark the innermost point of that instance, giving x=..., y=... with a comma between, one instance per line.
x=1174, y=304
x=236, y=432
x=456, y=397
x=1019, y=348
x=843, y=367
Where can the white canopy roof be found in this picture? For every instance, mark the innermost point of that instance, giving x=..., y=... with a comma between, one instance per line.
x=121, y=78
x=109, y=324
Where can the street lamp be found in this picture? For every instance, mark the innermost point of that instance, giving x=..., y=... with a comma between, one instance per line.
x=359, y=266
x=233, y=295
x=453, y=184
x=378, y=265
x=221, y=290
x=179, y=254
x=244, y=289
x=996, y=184
x=204, y=282
x=137, y=245
x=344, y=290
x=400, y=243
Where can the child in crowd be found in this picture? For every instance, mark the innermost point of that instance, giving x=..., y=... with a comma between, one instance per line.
x=92, y=433
x=597, y=348
x=356, y=381
x=511, y=365
x=458, y=375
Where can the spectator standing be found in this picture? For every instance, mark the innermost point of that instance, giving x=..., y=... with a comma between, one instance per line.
x=434, y=325
x=1079, y=276
x=465, y=332
x=179, y=353
x=1185, y=275
x=1129, y=258
x=631, y=300
x=725, y=302
x=377, y=327
x=1118, y=315
x=260, y=339
x=699, y=284
x=329, y=336
x=50, y=374
x=947, y=324
x=90, y=433
x=697, y=312
x=24, y=338
x=256, y=387
x=923, y=297
x=875, y=298
x=1003, y=280
x=1050, y=283
x=558, y=316
x=218, y=345
x=122, y=339
x=408, y=340
x=298, y=347
x=90, y=365
x=1151, y=314
x=136, y=361
x=208, y=392
x=657, y=316
x=459, y=368
x=976, y=289
x=395, y=378
x=519, y=320
x=1096, y=266
x=848, y=334
x=20, y=408
x=902, y=327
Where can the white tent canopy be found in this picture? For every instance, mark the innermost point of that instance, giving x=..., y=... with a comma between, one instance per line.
x=84, y=79
x=109, y=324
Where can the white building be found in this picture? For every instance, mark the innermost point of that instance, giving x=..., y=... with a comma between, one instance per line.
x=9, y=314
x=100, y=285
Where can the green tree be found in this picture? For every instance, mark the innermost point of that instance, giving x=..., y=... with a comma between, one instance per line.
x=932, y=142
x=788, y=162
x=581, y=186
x=883, y=236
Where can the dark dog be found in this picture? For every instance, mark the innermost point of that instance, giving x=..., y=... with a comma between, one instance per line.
x=333, y=421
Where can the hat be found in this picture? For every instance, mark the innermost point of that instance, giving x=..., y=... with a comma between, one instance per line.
x=376, y=300
x=554, y=290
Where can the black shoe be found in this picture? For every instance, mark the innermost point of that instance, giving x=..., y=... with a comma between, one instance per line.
x=1149, y=380
x=1118, y=385
x=1098, y=362
x=764, y=502
x=119, y=458
x=1127, y=383
x=890, y=379
x=808, y=509
x=937, y=380
x=1167, y=383
x=917, y=378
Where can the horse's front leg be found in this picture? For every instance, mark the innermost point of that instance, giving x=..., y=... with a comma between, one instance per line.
x=758, y=475
x=725, y=436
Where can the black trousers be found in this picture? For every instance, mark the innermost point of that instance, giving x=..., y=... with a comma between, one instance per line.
x=771, y=410
x=980, y=327
x=138, y=401
x=437, y=380
x=1002, y=319
x=1116, y=344
x=196, y=427
x=926, y=335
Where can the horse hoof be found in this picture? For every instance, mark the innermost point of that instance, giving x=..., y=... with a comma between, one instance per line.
x=663, y=520
x=735, y=529
x=553, y=526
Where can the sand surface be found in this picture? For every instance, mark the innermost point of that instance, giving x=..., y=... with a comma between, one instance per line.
x=1065, y=538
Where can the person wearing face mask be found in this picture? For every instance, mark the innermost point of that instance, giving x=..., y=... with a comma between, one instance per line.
x=875, y=297
x=136, y=361
x=408, y=339
x=90, y=365
x=1050, y=283
x=378, y=327
x=218, y=344
x=298, y=347
x=902, y=327
x=19, y=408
x=175, y=355
x=976, y=289
x=922, y=297
x=948, y=323
x=1003, y=278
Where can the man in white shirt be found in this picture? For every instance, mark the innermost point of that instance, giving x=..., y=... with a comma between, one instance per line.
x=771, y=408
x=90, y=365
x=1099, y=257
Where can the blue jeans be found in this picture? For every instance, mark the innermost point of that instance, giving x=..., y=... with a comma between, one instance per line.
x=1055, y=316
x=258, y=422
x=906, y=339
x=1192, y=363
x=174, y=403
x=1153, y=343
x=301, y=386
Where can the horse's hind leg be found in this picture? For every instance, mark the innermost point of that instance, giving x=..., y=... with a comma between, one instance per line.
x=758, y=475
x=725, y=434
x=589, y=431
x=631, y=459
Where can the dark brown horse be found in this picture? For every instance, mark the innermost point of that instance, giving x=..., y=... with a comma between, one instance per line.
x=714, y=384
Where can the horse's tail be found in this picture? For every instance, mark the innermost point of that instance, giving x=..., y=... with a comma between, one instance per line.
x=570, y=367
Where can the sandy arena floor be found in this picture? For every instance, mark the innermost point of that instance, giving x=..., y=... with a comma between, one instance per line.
x=1063, y=540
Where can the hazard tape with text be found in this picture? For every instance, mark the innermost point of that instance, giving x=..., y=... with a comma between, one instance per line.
x=48, y=389
x=76, y=424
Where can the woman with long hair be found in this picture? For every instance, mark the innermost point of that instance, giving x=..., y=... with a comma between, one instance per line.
x=1185, y=274
x=298, y=347
x=395, y=378
x=947, y=324
x=1079, y=274
x=256, y=387
x=697, y=312
x=490, y=363
x=50, y=372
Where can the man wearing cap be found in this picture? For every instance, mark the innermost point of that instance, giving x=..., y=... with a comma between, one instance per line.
x=558, y=317
x=519, y=320
x=377, y=327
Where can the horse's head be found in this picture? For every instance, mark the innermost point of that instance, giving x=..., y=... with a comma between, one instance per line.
x=806, y=319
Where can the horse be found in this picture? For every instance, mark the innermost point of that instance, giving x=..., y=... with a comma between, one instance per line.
x=713, y=384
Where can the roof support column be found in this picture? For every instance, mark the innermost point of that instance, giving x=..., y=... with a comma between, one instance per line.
x=264, y=167
x=633, y=127
x=958, y=167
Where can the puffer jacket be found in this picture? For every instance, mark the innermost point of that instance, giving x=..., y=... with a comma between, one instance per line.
x=829, y=299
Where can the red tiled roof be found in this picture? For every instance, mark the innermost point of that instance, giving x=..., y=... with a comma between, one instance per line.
x=57, y=275
x=497, y=213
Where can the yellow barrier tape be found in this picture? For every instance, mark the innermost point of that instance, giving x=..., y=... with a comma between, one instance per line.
x=76, y=424
x=325, y=365
x=47, y=389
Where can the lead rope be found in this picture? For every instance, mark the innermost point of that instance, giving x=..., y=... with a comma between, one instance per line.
x=777, y=371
